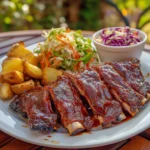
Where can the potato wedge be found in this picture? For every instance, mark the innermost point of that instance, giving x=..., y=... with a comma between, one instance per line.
x=25, y=86
x=50, y=75
x=5, y=91
x=12, y=64
x=31, y=59
x=32, y=71
x=18, y=50
x=13, y=77
x=2, y=79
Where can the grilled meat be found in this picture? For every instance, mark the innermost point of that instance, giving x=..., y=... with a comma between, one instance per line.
x=36, y=104
x=130, y=99
x=98, y=96
x=86, y=99
x=130, y=70
x=16, y=105
x=67, y=101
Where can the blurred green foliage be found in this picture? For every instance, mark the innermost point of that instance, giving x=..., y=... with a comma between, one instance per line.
x=36, y=14
x=89, y=16
x=79, y=14
x=28, y=14
x=138, y=13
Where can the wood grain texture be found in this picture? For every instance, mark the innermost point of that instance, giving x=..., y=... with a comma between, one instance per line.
x=50, y=148
x=137, y=143
x=111, y=146
x=13, y=40
x=146, y=134
x=28, y=41
x=4, y=139
x=32, y=32
x=18, y=145
x=3, y=136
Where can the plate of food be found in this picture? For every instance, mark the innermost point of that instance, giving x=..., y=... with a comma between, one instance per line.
x=58, y=94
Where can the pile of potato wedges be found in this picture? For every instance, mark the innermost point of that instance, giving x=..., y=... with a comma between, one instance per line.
x=20, y=72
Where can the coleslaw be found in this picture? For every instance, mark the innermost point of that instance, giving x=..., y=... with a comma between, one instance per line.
x=118, y=37
x=66, y=49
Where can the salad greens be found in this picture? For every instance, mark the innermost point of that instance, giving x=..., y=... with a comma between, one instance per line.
x=66, y=49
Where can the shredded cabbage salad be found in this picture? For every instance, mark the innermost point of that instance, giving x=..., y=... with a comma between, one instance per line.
x=66, y=49
x=118, y=37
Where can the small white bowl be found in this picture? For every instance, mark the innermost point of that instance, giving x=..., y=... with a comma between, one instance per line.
x=119, y=53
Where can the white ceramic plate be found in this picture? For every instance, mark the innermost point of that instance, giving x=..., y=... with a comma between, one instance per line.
x=14, y=126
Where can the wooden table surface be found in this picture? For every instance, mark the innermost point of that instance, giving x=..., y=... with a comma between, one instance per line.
x=139, y=142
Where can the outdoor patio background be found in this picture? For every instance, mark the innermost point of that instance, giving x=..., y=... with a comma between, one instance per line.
x=75, y=14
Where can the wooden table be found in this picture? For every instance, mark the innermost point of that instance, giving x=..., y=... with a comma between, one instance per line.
x=139, y=142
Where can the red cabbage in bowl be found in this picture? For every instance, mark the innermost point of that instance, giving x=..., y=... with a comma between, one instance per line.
x=118, y=37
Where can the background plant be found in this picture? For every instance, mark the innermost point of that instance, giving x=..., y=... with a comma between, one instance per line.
x=78, y=14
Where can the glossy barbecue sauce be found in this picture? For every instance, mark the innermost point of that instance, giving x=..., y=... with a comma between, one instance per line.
x=100, y=99
x=69, y=104
x=124, y=91
x=96, y=123
x=49, y=136
x=130, y=71
x=96, y=92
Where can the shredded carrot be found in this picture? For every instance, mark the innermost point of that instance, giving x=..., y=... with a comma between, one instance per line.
x=48, y=54
x=75, y=53
x=56, y=64
x=42, y=64
x=68, y=30
x=47, y=63
x=77, y=66
x=60, y=45
x=46, y=60
x=88, y=64
x=61, y=35
x=61, y=40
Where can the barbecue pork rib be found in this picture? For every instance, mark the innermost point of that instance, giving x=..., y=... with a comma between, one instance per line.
x=74, y=116
x=130, y=70
x=98, y=96
x=130, y=99
x=16, y=105
x=36, y=105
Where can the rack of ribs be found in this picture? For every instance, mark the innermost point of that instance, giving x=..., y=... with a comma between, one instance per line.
x=74, y=116
x=130, y=70
x=96, y=93
x=36, y=105
x=130, y=99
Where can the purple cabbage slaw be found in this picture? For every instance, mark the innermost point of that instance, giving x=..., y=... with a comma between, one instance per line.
x=118, y=37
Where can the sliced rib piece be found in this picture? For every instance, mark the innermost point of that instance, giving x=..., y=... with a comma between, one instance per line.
x=130, y=70
x=16, y=105
x=36, y=104
x=98, y=96
x=67, y=101
x=130, y=99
